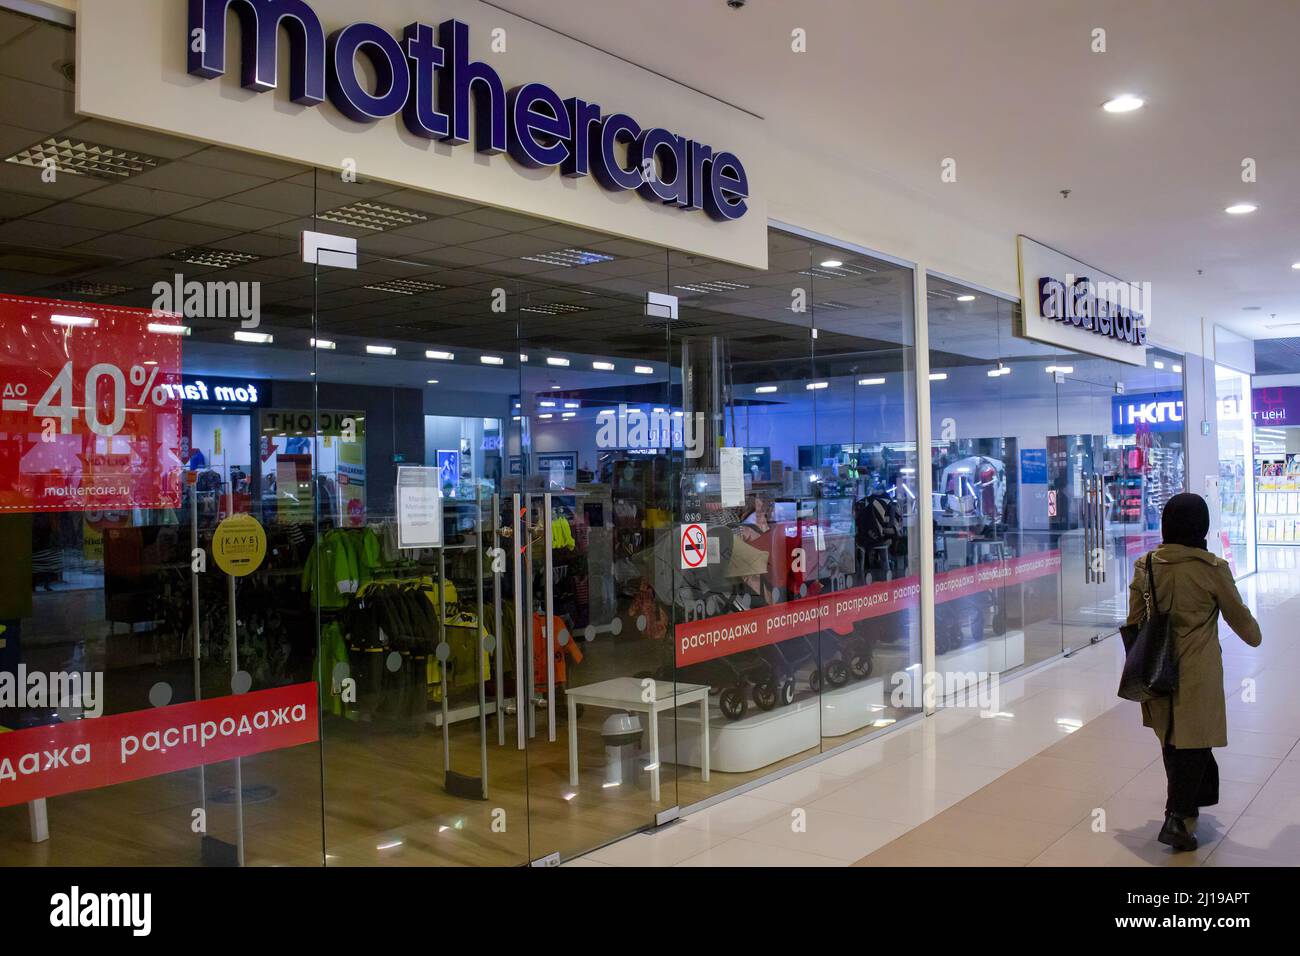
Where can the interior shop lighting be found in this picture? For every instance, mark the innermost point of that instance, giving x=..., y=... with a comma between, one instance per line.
x=572, y=404
x=380, y=350
x=604, y=412
x=999, y=371
x=938, y=376
x=1124, y=103
x=871, y=381
x=1158, y=364
x=832, y=263
x=440, y=356
x=492, y=360
x=678, y=414
x=523, y=356
x=1178, y=370
x=1240, y=208
x=165, y=328
x=765, y=389
x=568, y=414
x=74, y=321
x=1063, y=369
x=603, y=366
x=965, y=298
x=546, y=404
x=817, y=386
x=546, y=415
x=255, y=338
x=657, y=411
x=644, y=370
x=1295, y=265
x=432, y=381
x=325, y=344
x=391, y=845
x=557, y=360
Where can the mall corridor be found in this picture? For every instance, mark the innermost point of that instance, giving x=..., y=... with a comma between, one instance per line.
x=1062, y=775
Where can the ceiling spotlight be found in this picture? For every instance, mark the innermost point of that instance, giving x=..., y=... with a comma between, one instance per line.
x=326, y=344
x=440, y=356
x=765, y=389
x=644, y=370
x=938, y=376
x=255, y=338
x=380, y=350
x=871, y=381
x=492, y=360
x=965, y=298
x=831, y=263
x=1240, y=209
x=603, y=366
x=1295, y=265
x=1124, y=103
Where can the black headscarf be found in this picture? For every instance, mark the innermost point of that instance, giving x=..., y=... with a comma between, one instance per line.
x=1186, y=521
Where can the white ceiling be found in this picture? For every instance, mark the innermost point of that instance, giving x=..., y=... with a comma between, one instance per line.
x=1011, y=90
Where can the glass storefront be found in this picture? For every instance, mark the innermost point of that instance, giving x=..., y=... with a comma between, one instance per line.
x=1050, y=470
x=512, y=538
x=1237, y=468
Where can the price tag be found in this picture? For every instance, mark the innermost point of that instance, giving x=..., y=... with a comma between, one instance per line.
x=90, y=407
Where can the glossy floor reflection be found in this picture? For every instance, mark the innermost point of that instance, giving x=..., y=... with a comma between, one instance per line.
x=1063, y=775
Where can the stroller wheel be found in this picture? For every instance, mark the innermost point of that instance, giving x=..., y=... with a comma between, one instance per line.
x=732, y=702
x=860, y=663
x=787, y=693
x=765, y=695
x=815, y=680
x=837, y=674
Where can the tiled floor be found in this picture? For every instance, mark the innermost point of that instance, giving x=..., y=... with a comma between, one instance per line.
x=1064, y=775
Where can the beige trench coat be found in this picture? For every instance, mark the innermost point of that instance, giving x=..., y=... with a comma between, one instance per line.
x=1199, y=587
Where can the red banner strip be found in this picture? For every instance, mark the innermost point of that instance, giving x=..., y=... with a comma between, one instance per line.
x=699, y=641
x=98, y=752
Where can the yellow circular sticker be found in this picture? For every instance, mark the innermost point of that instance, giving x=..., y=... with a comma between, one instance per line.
x=239, y=545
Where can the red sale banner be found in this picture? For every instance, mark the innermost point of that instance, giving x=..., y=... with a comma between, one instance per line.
x=90, y=407
x=99, y=752
x=699, y=641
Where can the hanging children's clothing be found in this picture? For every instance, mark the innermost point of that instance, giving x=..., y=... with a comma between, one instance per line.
x=563, y=651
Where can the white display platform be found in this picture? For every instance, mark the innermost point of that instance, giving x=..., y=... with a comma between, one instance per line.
x=762, y=737
x=991, y=655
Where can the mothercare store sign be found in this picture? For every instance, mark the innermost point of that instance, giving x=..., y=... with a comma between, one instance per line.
x=452, y=96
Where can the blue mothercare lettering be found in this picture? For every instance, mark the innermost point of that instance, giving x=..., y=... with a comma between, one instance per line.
x=427, y=76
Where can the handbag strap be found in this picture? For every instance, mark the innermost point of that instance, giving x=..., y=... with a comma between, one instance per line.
x=1151, y=583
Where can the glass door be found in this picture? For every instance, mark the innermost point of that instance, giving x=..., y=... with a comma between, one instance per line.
x=422, y=758
x=590, y=468
x=1093, y=504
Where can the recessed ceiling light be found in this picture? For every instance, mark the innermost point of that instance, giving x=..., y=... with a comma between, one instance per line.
x=1295, y=265
x=547, y=415
x=765, y=389
x=325, y=344
x=213, y=258
x=568, y=414
x=1063, y=369
x=76, y=158
x=840, y=271
x=440, y=356
x=644, y=370
x=1159, y=364
x=572, y=404
x=523, y=356
x=381, y=350
x=164, y=328
x=546, y=404
x=965, y=298
x=603, y=366
x=1240, y=209
x=374, y=216
x=569, y=257
x=1178, y=370
x=557, y=360
x=938, y=376
x=405, y=286
x=712, y=285
x=871, y=381
x=816, y=386
x=88, y=288
x=1124, y=103
x=554, y=308
x=832, y=263
x=255, y=338
x=432, y=381
x=492, y=360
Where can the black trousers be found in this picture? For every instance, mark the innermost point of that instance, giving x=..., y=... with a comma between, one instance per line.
x=1193, y=779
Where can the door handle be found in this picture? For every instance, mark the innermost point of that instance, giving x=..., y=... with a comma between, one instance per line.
x=523, y=677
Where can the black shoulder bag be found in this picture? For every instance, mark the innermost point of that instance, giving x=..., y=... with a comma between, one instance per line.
x=1150, y=666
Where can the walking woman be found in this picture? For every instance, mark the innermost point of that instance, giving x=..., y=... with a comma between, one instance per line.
x=1198, y=587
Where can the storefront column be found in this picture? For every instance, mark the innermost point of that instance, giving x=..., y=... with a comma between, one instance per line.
x=924, y=477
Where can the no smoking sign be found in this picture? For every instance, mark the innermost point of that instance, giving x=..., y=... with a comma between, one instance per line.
x=694, y=546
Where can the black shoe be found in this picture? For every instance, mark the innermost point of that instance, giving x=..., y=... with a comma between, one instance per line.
x=1175, y=833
